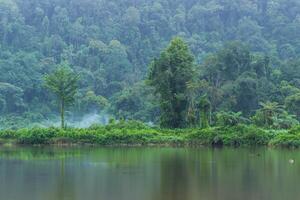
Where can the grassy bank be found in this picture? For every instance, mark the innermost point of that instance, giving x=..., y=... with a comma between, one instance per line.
x=135, y=133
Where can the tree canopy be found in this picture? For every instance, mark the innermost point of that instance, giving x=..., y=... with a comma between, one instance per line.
x=63, y=83
x=169, y=75
x=245, y=52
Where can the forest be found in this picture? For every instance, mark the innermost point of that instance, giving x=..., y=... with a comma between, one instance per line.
x=149, y=99
x=235, y=61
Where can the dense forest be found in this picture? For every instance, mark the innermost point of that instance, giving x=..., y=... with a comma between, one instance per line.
x=243, y=55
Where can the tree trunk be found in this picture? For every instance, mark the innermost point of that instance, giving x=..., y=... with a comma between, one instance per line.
x=62, y=114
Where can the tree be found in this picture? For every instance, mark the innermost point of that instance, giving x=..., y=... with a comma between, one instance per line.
x=169, y=75
x=111, y=43
x=246, y=94
x=205, y=112
x=195, y=89
x=230, y=118
x=10, y=98
x=232, y=80
x=285, y=121
x=269, y=112
x=63, y=83
x=292, y=104
x=137, y=102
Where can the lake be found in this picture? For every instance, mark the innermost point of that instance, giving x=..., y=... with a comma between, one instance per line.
x=148, y=174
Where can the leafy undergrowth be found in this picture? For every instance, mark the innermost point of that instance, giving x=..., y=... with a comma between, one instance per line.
x=289, y=138
x=136, y=133
x=239, y=135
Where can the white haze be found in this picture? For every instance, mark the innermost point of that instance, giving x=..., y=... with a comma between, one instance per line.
x=81, y=122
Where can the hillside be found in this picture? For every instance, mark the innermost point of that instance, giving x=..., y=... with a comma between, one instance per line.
x=111, y=44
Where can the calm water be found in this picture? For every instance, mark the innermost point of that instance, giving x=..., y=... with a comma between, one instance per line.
x=148, y=174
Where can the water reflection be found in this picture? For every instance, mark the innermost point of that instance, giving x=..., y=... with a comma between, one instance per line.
x=174, y=177
x=148, y=173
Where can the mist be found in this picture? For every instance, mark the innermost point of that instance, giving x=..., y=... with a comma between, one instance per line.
x=80, y=122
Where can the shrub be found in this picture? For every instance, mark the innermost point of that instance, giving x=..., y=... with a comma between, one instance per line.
x=286, y=140
x=36, y=135
x=137, y=133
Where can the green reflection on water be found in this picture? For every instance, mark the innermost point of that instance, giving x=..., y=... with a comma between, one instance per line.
x=148, y=173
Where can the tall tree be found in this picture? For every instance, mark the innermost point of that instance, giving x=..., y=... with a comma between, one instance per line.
x=63, y=83
x=205, y=112
x=169, y=75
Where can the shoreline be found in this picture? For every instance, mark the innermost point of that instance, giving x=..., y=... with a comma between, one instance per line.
x=136, y=134
x=5, y=143
x=137, y=145
x=58, y=143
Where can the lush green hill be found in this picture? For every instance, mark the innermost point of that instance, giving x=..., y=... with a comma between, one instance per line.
x=111, y=43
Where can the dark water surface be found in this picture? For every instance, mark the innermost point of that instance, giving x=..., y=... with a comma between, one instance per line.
x=148, y=174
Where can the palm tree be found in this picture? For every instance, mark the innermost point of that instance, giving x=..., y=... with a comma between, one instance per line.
x=230, y=118
x=270, y=111
x=63, y=83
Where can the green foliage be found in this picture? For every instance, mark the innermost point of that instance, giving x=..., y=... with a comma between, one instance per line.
x=230, y=119
x=246, y=98
x=86, y=102
x=285, y=121
x=10, y=98
x=286, y=140
x=205, y=112
x=268, y=113
x=122, y=133
x=137, y=102
x=14, y=122
x=293, y=104
x=273, y=115
x=111, y=43
x=239, y=135
x=137, y=133
x=36, y=135
x=63, y=83
x=169, y=75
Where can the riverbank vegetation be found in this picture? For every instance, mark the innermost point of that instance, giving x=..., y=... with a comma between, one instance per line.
x=133, y=133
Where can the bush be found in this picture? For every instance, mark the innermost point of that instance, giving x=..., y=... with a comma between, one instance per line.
x=37, y=135
x=230, y=136
x=137, y=133
x=286, y=140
